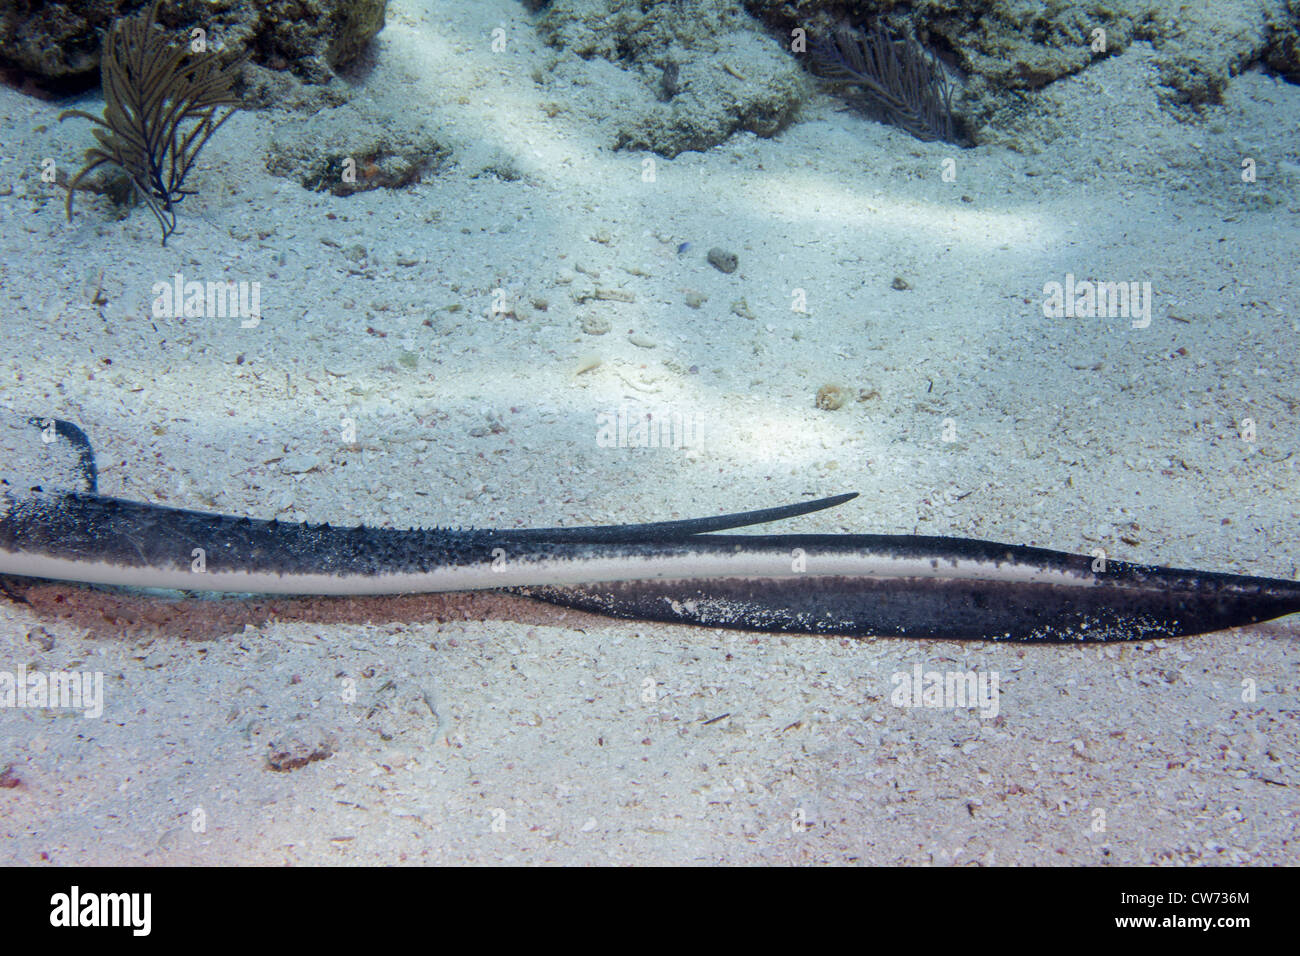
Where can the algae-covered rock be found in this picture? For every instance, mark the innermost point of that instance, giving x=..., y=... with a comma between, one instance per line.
x=367, y=150
x=57, y=44
x=1283, y=51
x=694, y=71
x=354, y=24
x=1006, y=49
x=995, y=48
x=1015, y=44
x=1201, y=46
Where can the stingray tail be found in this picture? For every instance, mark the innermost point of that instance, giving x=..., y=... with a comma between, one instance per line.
x=685, y=528
x=74, y=436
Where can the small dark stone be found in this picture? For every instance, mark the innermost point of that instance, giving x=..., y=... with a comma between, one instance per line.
x=297, y=754
x=722, y=260
x=669, y=85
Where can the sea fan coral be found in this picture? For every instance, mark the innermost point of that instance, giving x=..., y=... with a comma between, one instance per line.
x=899, y=80
x=160, y=107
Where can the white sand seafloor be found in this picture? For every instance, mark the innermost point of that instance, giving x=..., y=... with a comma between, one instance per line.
x=487, y=729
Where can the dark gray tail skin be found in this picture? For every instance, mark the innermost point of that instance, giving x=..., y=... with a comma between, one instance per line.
x=1130, y=603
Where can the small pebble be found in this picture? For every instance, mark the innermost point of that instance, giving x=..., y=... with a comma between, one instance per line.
x=722, y=260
